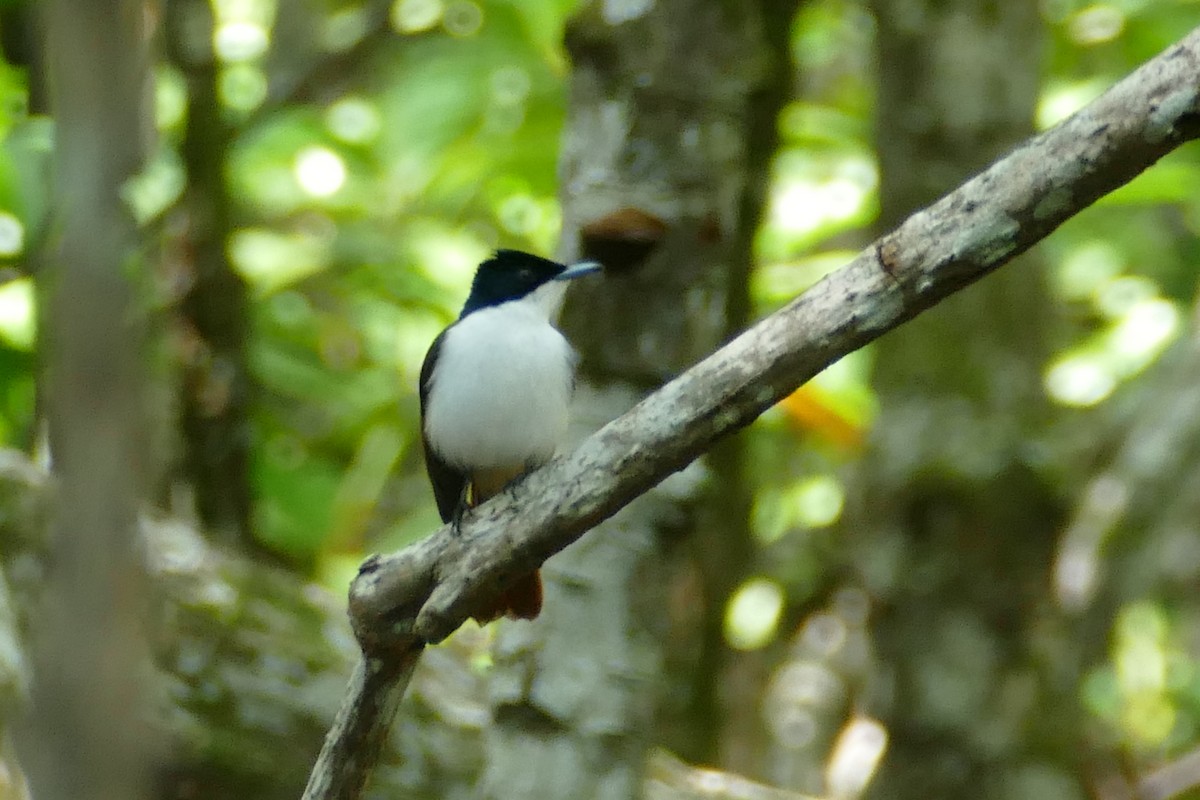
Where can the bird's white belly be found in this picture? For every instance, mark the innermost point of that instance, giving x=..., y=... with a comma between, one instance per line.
x=500, y=391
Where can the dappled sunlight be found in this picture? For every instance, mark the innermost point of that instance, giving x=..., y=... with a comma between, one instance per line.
x=1090, y=372
x=797, y=690
x=1086, y=269
x=448, y=257
x=969, y=547
x=1060, y=100
x=12, y=235
x=752, y=615
x=777, y=282
x=153, y=192
x=813, y=197
x=819, y=501
x=1143, y=332
x=807, y=503
x=18, y=313
x=271, y=260
x=1146, y=693
x=354, y=120
x=242, y=87
x=463, y=18
x=170, y=98
x=320, y=171
x=414, y=16
x=240, y=40
x=1096, y=24
x=1079, y=562
x=1079, y=380
x=1140, y=656
x=856, y=756
x=1133, y=324
x=803, y=207
x=344, y=28
x=818, y=742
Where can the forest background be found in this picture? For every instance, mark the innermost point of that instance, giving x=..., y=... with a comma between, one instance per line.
x=960, y=562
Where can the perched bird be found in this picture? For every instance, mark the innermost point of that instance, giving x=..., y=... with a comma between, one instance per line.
x=495, y=390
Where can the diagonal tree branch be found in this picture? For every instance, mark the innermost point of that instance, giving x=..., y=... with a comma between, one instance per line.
x=986, y=222
x=421, y=594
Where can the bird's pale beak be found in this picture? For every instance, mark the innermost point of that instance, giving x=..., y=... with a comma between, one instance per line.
x=579, y=270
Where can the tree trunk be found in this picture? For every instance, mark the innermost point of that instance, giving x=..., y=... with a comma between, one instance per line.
x=89, y=738
x=214, y=314
x=954, y=528
x=659, y=183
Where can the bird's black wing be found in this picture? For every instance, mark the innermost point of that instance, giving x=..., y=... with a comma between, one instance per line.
x=448, y=483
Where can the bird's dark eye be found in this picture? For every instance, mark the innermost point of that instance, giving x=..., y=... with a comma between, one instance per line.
x=526, y=274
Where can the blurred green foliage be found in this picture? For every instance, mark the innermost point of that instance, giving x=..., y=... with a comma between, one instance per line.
x=1124, y=273
x=362, y=222
x=359, y=220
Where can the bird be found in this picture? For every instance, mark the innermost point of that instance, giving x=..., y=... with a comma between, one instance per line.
x=495, y=390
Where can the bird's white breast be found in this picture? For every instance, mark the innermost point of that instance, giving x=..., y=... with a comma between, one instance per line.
x=500, y=390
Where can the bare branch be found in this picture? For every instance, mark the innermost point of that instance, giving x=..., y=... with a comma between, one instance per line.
x=977, y=228
x=401, y=601
x=360, y=730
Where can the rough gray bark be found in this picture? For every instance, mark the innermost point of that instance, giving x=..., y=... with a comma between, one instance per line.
x=90, y=654
x=953, y=526
x=989, y=220
x=702, y=710
x=657, y=111
x=957, y=84
x=421, y=594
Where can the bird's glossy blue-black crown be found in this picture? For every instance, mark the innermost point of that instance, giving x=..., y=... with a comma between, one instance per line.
x=509, y=275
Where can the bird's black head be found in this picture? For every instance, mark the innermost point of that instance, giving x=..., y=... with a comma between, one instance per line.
x=511, y=274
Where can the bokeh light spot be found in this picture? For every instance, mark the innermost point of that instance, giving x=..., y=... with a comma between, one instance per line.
x=170, y=98
x=855, y=758
x=154, y=190
x=511, y=85
x=18, y=313
x=1145, y=330
x=12, y=235
x=520, y=214
x=752, y=616
x=1117, y=297
x=240, y=40
x=320, y=171
x=463, y=18
x=242, y=87
x=804, y=202
x=819, y=501
x=1061, y=100
x=353, y=120
x=1097, y=24
x=447, y=256
x=1082, y=273
x=414, y=16
x=344, y=29
x=270, y=260
x=1079, y=381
